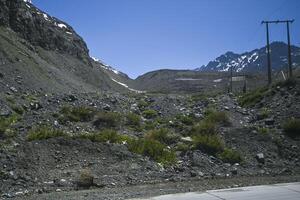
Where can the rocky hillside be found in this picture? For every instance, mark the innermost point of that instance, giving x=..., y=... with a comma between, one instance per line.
x=254, y=61
x=54, y=143
x=40, y=52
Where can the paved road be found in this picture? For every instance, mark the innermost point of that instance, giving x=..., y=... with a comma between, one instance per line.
x=289, y=191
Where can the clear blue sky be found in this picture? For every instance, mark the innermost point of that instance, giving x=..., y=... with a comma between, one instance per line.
x=137, y=36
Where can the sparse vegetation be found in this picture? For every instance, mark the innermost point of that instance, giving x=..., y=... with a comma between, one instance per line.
x=150, y=125
x=205, y=127
x=153, y=149
x=5, y=125
x=263, y=131
x=264, y=113
x=230, y=156
x=292, y=127
x=86, y=178
x=211, y=144
x=185, y=119
x=217, y=117
x=199, y=97
x=162, y=135
x=253, y=97
x=107, y=120
x=76, y=114
x=145, y=146
x=182, y=147
x=44, y=132
x=142, y=104
x=133, y=120
x=10, y=99
x=150, y=114
x=18, y=109
x=208, y=125
x=106, y=135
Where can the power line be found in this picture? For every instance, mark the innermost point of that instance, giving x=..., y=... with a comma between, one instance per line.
x=288, y=22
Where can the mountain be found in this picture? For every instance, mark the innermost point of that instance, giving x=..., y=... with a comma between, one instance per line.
x=42, y=53
x=254, y=61
x=180, y=81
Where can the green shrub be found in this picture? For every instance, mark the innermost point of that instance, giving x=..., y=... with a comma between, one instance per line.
x=142, y=104
x=182, y=147
x=18, y=109
x=153, y=149
x=44, y=132
x=292, y=127
x=5, y=124
x=150, y=125
x=150, y=114
x=263, y=131
x=107, y=120
x=10, y=99
x=185, y=119
x=85, y=179
x=204, y=127
x=217, y=117
x=211, y=144
x=253, y=97
x=162, y=135
x=264, y=113
x=230, y=156
x=76, y=114
x=133, y=120
x=199, y=97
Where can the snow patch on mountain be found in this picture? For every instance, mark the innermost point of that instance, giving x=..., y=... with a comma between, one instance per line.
x=107, y=67
x=126, y=86
x=48, y=18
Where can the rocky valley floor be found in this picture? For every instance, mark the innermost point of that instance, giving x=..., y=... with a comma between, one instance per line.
x=56, y=143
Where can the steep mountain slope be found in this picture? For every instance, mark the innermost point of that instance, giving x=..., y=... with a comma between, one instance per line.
x=40, y=52
x=255, y=60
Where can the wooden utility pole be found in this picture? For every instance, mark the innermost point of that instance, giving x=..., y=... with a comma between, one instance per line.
x=231, y=73
x=268, y=53
x=289, y=47
x=268, y=47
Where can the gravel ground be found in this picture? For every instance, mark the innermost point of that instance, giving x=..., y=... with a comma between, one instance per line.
x=139, y=191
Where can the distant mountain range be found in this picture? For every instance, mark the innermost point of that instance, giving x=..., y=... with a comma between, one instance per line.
x=254, y=61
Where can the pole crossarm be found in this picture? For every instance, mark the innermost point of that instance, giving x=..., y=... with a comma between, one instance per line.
x=287, y=22
x=278, y=21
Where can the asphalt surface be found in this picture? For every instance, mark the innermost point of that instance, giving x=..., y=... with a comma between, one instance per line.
x=288, y=191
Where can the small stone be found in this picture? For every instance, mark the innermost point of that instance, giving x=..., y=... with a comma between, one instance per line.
x=234, y=171
x=13, y=89
x=260, y=158
x=269, y=121
x=193, y=174
x=56, y=123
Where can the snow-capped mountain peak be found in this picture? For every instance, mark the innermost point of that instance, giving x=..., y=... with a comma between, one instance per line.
x=254, y=60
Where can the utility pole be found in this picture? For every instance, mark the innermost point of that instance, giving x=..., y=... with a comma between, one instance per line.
x=268, y=53
x=268, y=47
x=231, y=71
x=289, y=47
